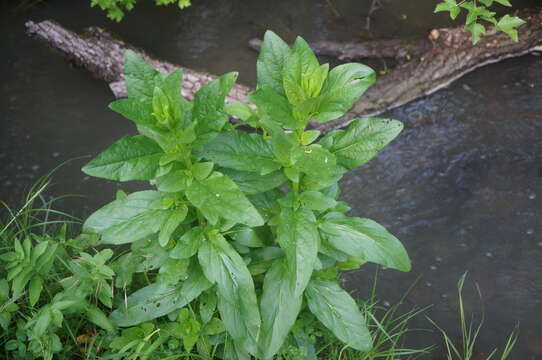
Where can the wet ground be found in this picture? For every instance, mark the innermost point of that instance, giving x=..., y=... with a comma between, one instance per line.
x=461, y=187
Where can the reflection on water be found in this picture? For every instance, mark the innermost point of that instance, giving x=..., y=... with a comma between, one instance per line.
x=461, y=187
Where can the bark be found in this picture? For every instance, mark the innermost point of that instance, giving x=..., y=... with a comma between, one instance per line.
x=102, y=54
x=394, y=48
x=448, y=56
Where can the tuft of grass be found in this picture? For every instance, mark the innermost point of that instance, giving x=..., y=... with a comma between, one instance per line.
x=470, y=332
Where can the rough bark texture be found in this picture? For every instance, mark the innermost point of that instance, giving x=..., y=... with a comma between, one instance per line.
x=394, y=48
x=102, y=54
x=448, y=56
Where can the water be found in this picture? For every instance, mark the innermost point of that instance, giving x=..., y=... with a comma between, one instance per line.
x=461, y=187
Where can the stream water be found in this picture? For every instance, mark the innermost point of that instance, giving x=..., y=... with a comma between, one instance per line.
x=461, y=187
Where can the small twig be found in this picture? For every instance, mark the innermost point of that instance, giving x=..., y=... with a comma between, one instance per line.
x=375, y=5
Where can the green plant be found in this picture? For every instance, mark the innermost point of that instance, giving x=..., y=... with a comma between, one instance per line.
x=479, y=10
x=116, y=8
x=470, y=332
x=251, y=219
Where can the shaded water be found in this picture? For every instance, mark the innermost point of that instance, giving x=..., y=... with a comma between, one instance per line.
x=461, y=187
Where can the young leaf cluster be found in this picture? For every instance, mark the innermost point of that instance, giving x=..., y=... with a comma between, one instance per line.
x=477, y=11
x=116, y=8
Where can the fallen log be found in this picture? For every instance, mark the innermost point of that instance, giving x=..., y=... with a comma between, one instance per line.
x=449, y=56
x=101, y=53
x=399, y=49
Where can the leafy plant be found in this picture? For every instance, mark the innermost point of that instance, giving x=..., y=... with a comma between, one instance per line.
x=116, y=8
x=479, y=11
x=249, y=219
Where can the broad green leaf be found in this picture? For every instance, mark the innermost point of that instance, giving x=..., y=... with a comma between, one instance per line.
x=174, y=181
x=242, y=151
x=139, y=77
x=284, y=145
x=292, y=77
x=275, y=105
x=504, y=2
x=136, y=111
x=316, y=161
x=309, y=136
x=273, y=54
x=97, y=317
x=336, y=309
x=219, y=197
x=315, y=200
x=279, y=308
x=254, y=183
x=207, y=306
x=34, y=290
x=237, y=298
x=208, y=109
x=202, y=170
x=159, y=299
x=173, y=271
x=365, y=239
x=507, y=24
x=174, y=220
x=249, y=237
x=130, y=158
x=188, y=244
x=239, y=110
x=362, y=140
x=126, y=220
x=298, y=236
x=343, y=87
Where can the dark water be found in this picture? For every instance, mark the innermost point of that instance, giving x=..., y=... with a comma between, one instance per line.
x=461, y=187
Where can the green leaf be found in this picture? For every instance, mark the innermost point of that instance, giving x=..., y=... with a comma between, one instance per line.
x=97, y=317
x=174, y=220
x=174, y=181
x=315, y=200
x=136, y=111
x=275, y=105
x=159, y=299
x=279, y=308
x=241, y=151
x=202, y=170
x=297, y=235
x=316, y=161
x=239, y=110
x=365, y=239
x=237, y=298
x=249, y=237
x=343, y=87
x=219, y=197
x=254, y=183
x=336, y=309
x=476, y=31
x=126, y=220
x=34, y=290
x=362, y=140
x=130, y=158
x=450, y=6
x=309, y=136
x=139, y=77
x=208, y=109
x=507, y=24
x=207, y=306
x=273, y=54
x=188, y=244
